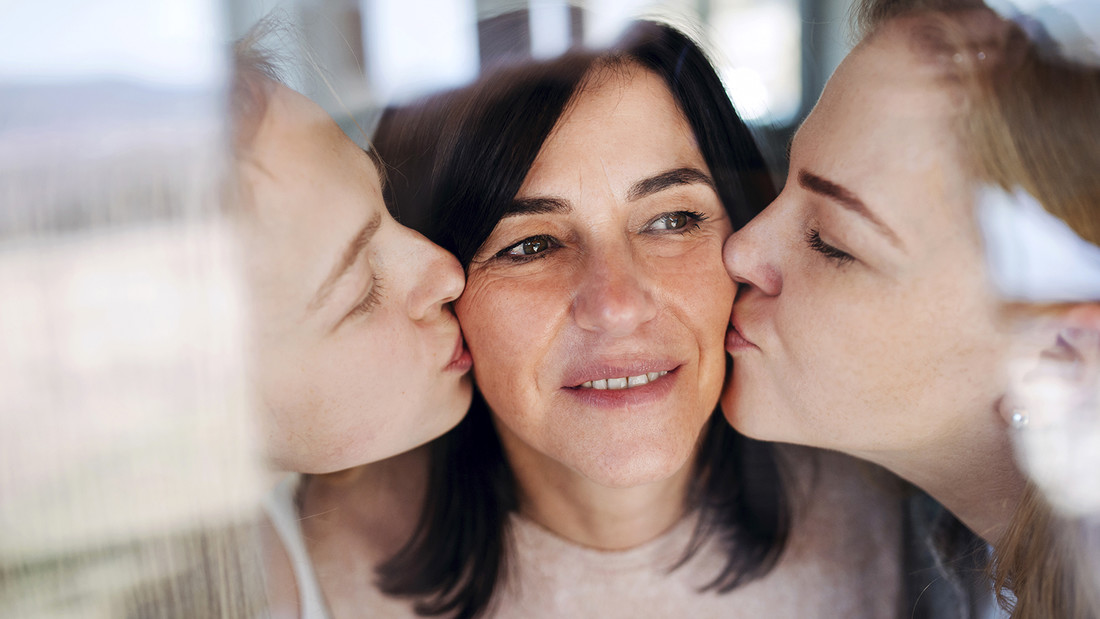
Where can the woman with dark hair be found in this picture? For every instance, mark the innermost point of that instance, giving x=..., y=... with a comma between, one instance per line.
x=588, y=199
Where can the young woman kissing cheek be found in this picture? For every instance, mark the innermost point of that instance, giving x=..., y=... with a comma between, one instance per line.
x=595, y=312
x=358, y=355
x=864, y=321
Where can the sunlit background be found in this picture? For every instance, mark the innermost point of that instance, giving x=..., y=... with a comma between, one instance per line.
x=774, y=55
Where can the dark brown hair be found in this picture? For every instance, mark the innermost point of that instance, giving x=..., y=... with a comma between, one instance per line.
x=458, y=163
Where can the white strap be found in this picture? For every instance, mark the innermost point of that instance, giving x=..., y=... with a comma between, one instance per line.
x=281, y=508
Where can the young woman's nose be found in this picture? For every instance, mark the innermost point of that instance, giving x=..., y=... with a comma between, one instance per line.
x=611, y=297
x=749, y=257
x=437, y=278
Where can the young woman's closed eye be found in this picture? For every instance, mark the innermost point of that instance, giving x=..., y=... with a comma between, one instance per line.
x=816, y=243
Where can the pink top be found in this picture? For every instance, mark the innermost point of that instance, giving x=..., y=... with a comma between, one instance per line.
x=843, y=560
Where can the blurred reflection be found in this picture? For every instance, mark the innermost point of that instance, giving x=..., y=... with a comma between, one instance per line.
x=762, y=42
x=127, y=471
x=1048, y=273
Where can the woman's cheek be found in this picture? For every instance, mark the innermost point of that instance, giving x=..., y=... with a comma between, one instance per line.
x=700, y=284
x=474, y=314
x=498, y=315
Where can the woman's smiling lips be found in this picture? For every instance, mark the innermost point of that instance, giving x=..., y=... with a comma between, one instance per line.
x=627, y=384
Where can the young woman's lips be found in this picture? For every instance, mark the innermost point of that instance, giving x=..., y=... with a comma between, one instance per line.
x=619, y=385
x=461, y=361
x=735, y=341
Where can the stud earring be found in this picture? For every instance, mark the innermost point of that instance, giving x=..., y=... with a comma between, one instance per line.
x=1019, y=419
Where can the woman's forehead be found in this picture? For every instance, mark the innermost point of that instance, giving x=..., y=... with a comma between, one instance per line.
x=607, y=86
x=629, y=106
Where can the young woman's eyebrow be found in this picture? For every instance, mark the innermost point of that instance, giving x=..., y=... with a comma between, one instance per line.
x=664, y=180
x=847, y=199
x=351, y=254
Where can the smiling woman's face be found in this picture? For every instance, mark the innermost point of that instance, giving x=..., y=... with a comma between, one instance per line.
x=358, y=355
x=864, y=321
x=595, y=311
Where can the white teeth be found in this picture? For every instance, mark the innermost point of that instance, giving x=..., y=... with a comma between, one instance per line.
x=616, y=383
x=623, y=383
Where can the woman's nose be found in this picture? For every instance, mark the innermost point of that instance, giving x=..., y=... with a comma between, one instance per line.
x=748, y=256
x=437, y=279
x=612, y=298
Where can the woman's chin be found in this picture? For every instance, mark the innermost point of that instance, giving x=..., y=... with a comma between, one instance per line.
x=608, y=447
x=632, y=467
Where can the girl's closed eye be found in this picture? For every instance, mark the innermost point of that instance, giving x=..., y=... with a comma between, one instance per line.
x=813, y=239
x=373, y=298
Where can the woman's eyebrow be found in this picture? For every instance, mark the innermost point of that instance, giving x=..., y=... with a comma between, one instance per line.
x=639, y=190
x=536, y=206
x=664, y=180
x=847, y=199
x=351, y=254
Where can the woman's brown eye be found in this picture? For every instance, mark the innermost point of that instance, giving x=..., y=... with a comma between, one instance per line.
x=680, y=220
x=533, y=246
x=677, y=221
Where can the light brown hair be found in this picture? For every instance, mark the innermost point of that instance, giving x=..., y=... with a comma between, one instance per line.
x=1028, y=120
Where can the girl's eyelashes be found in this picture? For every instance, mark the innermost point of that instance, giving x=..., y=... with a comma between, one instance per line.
x=813, y=239
x=677, y=221
x=373, y=298
x=529, y=248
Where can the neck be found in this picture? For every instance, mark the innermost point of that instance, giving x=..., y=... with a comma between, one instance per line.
x=373, y=506
x=973, y=475
x=594, y=515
